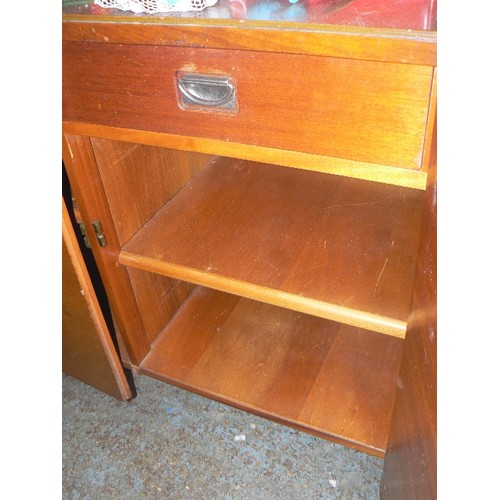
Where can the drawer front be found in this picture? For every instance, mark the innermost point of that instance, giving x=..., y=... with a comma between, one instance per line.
x=365, y=111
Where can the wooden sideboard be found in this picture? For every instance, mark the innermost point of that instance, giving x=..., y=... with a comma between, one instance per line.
x=260, y=198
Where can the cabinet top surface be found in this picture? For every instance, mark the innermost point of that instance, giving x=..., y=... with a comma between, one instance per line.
x=412, y=15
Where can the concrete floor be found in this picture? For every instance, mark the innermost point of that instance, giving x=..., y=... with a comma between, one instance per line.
x=168, y=443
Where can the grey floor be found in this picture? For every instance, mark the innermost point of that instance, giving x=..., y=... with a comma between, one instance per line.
x=169, y=443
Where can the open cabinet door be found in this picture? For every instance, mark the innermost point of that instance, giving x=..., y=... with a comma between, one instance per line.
x=410, y=465
x=88, y=352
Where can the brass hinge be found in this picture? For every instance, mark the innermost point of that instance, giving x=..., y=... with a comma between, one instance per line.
x=101, y=239
x=84, y=234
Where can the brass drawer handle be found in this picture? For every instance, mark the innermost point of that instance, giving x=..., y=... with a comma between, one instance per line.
x=211, y=91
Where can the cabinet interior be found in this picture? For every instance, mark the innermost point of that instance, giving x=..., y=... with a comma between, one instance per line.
x=281, y=291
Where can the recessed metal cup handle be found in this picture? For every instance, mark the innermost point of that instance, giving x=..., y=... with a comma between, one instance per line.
x=212, y=91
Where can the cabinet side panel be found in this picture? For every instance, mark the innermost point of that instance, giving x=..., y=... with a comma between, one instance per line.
x=87, y=187
x=410, y=466
x=158, y=298
x=138, y=181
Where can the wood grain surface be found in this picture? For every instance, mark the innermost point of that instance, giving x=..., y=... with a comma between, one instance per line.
x=88, y=353
x=302, y=271
x=330, y=379
x=83, y=173
x=365, y=111
x=336, y=247
x=138, y=181
x=411, y=464
x=365, y=43
x=403, y=177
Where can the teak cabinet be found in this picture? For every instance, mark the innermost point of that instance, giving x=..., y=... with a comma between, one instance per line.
x=254, y=193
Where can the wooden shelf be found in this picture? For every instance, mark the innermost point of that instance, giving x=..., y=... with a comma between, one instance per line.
x=330, y=379
x=334, y=247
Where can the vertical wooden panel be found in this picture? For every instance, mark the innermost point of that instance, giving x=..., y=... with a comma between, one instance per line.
x=138, y=181
x=88, y=353
x=86, y=184
x=158, y=298
x=410, y=466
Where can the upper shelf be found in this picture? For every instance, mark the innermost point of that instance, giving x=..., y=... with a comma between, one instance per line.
x=417, y=15
x=333, y=247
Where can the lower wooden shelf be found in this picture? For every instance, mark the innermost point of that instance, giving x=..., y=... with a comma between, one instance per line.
x=330, y=379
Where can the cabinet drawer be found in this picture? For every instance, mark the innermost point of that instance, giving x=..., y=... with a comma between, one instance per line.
x=366, y=111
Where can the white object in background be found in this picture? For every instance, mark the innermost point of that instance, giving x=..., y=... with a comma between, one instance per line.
x=156, y=6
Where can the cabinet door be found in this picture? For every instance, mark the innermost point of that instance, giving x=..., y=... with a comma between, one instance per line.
x=88, y=352
x=410, y=466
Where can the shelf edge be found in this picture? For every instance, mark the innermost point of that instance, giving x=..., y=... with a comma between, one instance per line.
x=275, y=417
x=307, y=305
x=396, y=176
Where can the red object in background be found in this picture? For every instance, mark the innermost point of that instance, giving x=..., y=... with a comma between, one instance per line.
x=97, y=9
x=403, y=14
x=396, y=14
